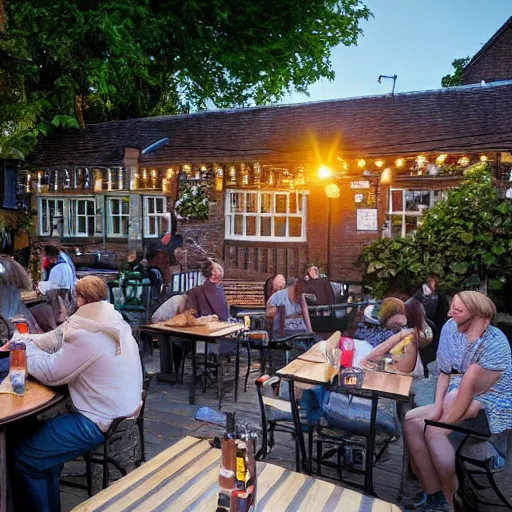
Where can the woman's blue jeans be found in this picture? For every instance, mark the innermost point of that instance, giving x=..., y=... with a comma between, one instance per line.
x=39, y=459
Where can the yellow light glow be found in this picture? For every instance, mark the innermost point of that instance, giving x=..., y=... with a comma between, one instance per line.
x=421, y=160
x=361, y=163
x=170, y=173
x=400, y=162
x=463, y=161
x=324, y=172
x=441, y=159
x=386, y=176
x=484, y=158
x=332, y=191
x=379, y=163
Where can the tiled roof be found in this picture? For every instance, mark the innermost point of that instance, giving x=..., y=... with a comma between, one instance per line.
x=468, y=118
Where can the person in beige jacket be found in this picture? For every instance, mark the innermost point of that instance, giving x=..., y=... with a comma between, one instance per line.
x=95, y=354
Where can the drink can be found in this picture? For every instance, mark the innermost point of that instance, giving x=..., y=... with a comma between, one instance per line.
x=18, y=382
x=247, y=322
x=347, y=352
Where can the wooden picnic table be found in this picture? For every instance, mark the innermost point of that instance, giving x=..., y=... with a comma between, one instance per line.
x=37, y=398
x=185, y=477
x=191, y=335
x=375, y=385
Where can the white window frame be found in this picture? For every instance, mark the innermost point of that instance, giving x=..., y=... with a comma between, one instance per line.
x=157, y=216
x=48, y=229
x=77, y=233
x=229, y=233
x=110, y=215
x=404, y=213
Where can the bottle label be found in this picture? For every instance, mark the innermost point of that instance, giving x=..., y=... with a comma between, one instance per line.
x=241, y=469
x=226, y=473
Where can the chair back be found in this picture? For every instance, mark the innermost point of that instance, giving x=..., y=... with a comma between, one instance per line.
x=182, y=282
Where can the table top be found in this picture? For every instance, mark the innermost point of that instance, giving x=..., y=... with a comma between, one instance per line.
x=185, y=477
x=381, y=383
x=36, y=399
x=200, y=331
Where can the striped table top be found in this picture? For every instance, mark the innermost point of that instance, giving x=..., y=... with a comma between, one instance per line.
x=184, y=477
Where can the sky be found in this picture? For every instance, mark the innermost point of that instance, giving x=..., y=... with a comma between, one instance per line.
x=414, y=39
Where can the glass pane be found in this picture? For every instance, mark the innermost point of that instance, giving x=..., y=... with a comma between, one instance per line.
x=294, y=199
x=81, y=224
x=239, y=226
x=60, y=207
x=81, y=207
x=295, y=226
x=124, y=226
x=416, y=200
x=250, y=226
x=160, y=205
x=411, y=224
x=252, y=203
x=280, y=226
x=90, y=208
x=396, y=226
x=151, y=205
x=280, y=203
x=265, y=223
x=91, y=225
x=266, y=203
x=152, y=226
x=125, y=205
x=439, y=195
x=237, y=202
x=116, y=225
x=397, y=202
x=115, y=206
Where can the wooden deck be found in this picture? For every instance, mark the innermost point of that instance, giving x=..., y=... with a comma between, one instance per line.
x=170, y=418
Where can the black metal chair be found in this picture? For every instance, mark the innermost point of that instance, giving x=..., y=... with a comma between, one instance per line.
x=479, y=457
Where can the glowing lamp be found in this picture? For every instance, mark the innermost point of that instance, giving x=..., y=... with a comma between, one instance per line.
x=324, y=172
x=463, y=161
x=484, y=158
x=421, y=160
x=361, y=163
x=441, y=159
x=386, y=176
x=332, y=191
x=379, y=163
x=400, y=162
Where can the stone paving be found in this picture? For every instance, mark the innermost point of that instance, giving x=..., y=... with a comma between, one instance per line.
x=169, y=418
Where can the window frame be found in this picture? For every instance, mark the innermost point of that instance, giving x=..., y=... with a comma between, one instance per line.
x=147, y=216
x=229, y=227
x=47, y=200
x=403, y=213
x=74, y=216
x=110, y=215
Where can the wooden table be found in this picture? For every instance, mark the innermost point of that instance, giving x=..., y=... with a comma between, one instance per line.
x=191, y=335
x=36, y=399
x=185, y=477
x=375, y=385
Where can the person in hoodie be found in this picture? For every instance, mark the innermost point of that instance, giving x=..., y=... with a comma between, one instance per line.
x=95, y=354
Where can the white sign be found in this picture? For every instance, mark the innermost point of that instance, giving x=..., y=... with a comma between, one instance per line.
x=360, y=184
x=367, y=219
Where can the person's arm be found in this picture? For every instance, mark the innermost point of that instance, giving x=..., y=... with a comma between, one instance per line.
x=475, y=381
x=381, y=350
x=63, y=366
x=50, y=341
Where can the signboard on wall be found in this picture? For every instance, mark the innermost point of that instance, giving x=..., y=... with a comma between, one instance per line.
x=367, y=219
x=360, y=184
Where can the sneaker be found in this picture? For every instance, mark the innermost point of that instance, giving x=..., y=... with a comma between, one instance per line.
x=435, y=503
x=417, y=502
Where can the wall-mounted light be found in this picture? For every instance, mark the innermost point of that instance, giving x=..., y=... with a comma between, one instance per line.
x=484, y=158
x=379, y=163
x=387, y=176
x=399, y=162
x=421, y=160
x=464, y=161
x=361, y=163
x=324, y=172
x=441, y=159
x=332, y=191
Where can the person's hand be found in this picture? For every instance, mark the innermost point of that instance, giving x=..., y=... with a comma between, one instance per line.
x=6, y=347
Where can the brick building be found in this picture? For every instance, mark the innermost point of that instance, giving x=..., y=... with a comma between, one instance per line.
x=116, y=184
x=494, y=60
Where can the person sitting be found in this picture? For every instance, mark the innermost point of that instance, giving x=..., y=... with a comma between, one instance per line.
x=287, y=311
x=318, y=286
x=59, y=271
x=474, y=359
x=95, y=354
x=208, y=298
x=272, y=285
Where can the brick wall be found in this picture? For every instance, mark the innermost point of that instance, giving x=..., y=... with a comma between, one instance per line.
x=495, y=63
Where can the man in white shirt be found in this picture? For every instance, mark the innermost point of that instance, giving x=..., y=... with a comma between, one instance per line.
x=60, y=274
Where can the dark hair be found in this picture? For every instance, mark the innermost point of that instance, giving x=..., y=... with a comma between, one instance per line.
x=268, y=287
x=415, y=313
x=207, y=269
x=51, y=250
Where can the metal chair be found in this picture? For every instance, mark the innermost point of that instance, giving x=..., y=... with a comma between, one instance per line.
x=478, y=458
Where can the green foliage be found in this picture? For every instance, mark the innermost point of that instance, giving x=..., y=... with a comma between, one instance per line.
x=456, y=78
x=467, y=237
x=120, y=59
x=193, y=203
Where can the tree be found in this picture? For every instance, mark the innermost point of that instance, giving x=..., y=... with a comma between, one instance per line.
x=457, y=77
x=467, y=237
x=117, y=59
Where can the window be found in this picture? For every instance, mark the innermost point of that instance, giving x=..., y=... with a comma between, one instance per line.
x=118, y=216
x=157, y=219
x=406, y=208
x=265, y=215
x=82, y=218
x=49, y=209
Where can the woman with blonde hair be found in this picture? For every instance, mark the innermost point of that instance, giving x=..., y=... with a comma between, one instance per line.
x=95, y=354
x=475, y=366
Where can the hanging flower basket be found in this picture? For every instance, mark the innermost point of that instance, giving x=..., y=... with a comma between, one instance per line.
x=193, y=204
